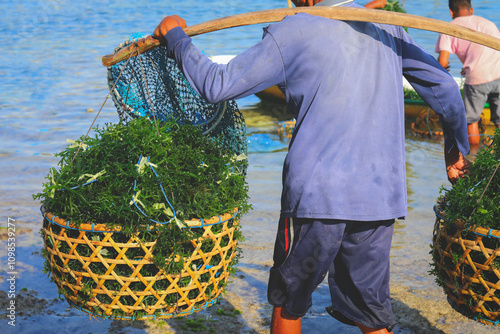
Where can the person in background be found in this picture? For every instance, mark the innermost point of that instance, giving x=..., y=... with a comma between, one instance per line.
x=376, y=4
x=481, y=66
x=344, y=176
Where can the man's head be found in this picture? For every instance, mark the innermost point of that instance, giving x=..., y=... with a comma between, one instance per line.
x=305, y=3
x=460, y=8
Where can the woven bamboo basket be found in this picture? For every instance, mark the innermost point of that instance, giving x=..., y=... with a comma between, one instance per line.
x=109, y=275
x=466, y=262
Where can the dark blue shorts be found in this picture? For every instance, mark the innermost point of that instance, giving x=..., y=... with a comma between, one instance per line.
x=354, y=254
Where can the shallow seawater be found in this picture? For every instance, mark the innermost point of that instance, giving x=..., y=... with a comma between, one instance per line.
x=53, y=85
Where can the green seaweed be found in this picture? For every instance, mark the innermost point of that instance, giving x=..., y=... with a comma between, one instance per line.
x=473, y=201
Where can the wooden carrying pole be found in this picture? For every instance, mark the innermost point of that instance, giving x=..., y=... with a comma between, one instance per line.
x=337, y=13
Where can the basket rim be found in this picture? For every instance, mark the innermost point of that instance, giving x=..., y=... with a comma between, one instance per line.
x=99, y=227
x=484, y=231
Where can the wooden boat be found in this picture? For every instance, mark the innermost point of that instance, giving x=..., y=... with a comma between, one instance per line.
x=413, y=108
x=425, y=123
x=416, y=108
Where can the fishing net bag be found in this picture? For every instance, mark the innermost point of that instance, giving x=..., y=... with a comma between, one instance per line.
x=151, y=85
x=108, y=274
x=467, y=264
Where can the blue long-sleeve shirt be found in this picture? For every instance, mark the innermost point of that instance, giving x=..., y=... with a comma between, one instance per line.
x=343, y=83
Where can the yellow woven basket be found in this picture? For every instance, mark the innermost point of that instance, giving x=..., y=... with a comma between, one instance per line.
x=464, y=259
x=107, y=274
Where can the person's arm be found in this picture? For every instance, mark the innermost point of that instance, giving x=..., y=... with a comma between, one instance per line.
x=254, y=70
x=440, y=91
x=376, y=4
x=444, y=59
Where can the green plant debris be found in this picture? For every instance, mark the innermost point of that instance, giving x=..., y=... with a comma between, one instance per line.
x=194, y=325
x=225, y=312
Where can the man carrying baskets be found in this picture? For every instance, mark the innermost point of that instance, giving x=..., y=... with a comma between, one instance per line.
x=344, y=181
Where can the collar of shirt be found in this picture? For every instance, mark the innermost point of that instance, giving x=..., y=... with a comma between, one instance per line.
x=333, y=3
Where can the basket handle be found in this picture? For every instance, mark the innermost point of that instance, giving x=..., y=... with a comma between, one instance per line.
x=337, y=13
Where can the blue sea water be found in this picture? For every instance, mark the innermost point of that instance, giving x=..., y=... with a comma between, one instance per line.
x=53, y=85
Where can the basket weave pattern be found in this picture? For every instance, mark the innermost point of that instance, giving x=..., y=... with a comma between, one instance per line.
x=470, y=280
x=108, y=274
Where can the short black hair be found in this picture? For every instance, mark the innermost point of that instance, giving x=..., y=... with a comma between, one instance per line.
x=455, y=5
